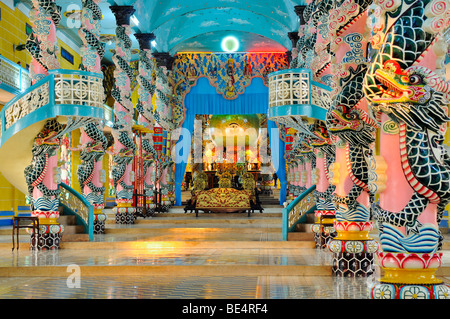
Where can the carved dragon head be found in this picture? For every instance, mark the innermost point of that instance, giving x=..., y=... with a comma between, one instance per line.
x=351, y=124
x=321, y=136
x=47, y=140
x=92, y=151
x=416, y=96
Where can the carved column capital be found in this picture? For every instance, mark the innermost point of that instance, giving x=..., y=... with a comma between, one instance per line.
x=293, y=36
x=299, y=11
x=122, y=14
x=145, y=40
x=164, y=59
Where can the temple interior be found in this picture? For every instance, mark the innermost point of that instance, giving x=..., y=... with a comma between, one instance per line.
x=224, y=149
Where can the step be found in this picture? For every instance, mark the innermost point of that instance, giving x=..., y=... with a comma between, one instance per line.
x=170, y=245
x=73, y=229
x=195, y=270
x=202, y=221
x=74, y=237
x=296, y=236
x=67, y=219
x=303, y=228
x=189, y=230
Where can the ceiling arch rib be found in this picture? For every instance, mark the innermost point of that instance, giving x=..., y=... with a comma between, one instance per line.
x=211, y=42
x=156, y=13
x=176, y=31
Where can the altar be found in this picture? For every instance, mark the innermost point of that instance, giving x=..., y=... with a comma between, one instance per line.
x=213, y=179
x=224, y=200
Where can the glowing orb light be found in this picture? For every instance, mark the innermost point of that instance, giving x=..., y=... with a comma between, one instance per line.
x=230, y=44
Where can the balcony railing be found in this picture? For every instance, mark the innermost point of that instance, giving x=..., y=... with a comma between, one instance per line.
x=294, y=95
x=13, y=78
x=61, y=93
x=75, y=204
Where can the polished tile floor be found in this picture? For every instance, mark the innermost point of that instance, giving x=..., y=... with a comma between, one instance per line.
x=179, y=287
x=188, y=244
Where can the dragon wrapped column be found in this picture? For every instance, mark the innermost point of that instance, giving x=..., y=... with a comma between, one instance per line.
x=124, y=147
x=409, y=98
x=325, y=214
x=42, y=174
x=164, y=118
x=146, y=121
x=349, y=121
x=42, y=43
x=91, y=175
x=42, y=179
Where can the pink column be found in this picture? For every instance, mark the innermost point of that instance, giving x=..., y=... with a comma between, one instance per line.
x=147, y=85
x=409, y=98
x=94, y=142
x=124, y=148
x=40, y=174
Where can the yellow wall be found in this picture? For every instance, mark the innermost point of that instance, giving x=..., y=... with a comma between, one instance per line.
x=75, y=160
x=12, y=32
x=63, y=62
x=10, y=197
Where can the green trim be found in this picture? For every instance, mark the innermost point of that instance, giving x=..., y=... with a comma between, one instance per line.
x=290, y=207
x=89, y=227
x=307, y=110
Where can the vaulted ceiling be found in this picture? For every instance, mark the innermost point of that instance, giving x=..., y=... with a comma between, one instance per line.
x=200, y=25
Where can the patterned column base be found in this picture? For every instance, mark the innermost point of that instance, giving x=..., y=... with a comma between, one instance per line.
x=99, y=227
x=323, y=234
x=324, y=227
x=410, y=276
x=353, y=265
x=353, y=258
x=46, y=241
x=124, y=215
x=402, y=291
x=99, y=220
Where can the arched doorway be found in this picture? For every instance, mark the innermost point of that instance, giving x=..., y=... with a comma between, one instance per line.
x=203, y=99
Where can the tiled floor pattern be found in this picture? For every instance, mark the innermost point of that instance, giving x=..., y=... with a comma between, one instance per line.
x=170, y=256
x=157, y=287
x=162, y=250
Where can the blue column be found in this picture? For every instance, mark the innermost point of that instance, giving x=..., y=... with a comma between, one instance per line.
x=182, y=150
x=277, y=148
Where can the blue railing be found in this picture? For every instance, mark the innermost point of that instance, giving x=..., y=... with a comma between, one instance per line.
x=13, y=78
x=75, y=204
x=296, y=211
x=293, y=93
x=61, y=93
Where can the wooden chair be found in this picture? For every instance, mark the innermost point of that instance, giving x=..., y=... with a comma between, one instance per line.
x=25, y=222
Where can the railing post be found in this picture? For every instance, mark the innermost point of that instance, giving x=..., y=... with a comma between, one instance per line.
x=296, y=210
x=285, y=223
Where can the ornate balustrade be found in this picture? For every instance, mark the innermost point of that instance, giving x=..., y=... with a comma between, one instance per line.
x=13, y=78
x=74, y=203
x=293, y=95
x=296, y=211
x=61, y=93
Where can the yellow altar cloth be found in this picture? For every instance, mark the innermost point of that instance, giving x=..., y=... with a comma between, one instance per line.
x=223, y=200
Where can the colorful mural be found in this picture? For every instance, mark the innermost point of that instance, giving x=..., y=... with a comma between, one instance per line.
x=229, y=73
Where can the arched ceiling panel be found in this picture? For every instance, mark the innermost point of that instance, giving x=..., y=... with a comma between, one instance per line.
x=157, y=13
x=176, y=31
x=197, y=25
x=211, y=42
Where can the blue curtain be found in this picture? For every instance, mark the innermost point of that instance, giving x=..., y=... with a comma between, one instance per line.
x=277, y=147
x=204, y=99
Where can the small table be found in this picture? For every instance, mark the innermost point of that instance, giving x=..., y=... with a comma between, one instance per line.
x=25, y=222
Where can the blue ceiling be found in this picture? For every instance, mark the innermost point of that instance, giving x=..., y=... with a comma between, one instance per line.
x=199, y=25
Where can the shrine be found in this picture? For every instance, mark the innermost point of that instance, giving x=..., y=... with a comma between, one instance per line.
x=290, y=149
